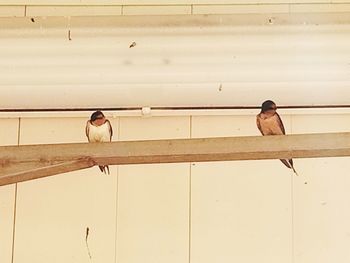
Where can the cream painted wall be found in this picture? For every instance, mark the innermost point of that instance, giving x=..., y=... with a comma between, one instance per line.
x=153, y=200
x=246, y=211
x=321, y=208
x=241, y=211
x=8, y=136
x=53, y=213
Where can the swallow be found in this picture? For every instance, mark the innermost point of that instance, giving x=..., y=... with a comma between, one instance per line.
x=270, y=123
x=99, y=129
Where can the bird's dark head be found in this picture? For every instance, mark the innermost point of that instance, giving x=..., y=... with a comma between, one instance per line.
x=97, y=115
x=268, y=105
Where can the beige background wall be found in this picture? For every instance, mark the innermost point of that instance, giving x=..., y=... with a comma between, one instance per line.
x=247, y=211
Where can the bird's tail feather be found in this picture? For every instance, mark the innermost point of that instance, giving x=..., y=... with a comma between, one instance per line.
x=294, y=171
x=104, y=169
x=292, y=166
x=289, y=164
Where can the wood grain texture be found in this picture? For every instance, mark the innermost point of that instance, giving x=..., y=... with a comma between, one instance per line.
x=50, y=159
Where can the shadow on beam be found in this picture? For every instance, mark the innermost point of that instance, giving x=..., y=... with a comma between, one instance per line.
x=28, y=162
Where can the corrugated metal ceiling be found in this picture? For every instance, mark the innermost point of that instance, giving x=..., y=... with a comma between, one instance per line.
x=172, y=65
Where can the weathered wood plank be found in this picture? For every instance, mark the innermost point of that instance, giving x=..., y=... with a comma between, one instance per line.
x=50, y=159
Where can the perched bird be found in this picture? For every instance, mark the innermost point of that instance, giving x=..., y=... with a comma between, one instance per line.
x=270, y=123
x=99, y=129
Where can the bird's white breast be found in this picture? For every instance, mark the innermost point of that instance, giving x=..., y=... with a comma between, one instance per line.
x=99, y=133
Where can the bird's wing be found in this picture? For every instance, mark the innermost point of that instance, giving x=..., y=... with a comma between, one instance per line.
x=87, y=130
x=110, y=129
x=280, y=123
x=258, y=124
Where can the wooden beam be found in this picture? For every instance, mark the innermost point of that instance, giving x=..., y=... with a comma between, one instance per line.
x=44, y=171
x=35, y=161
